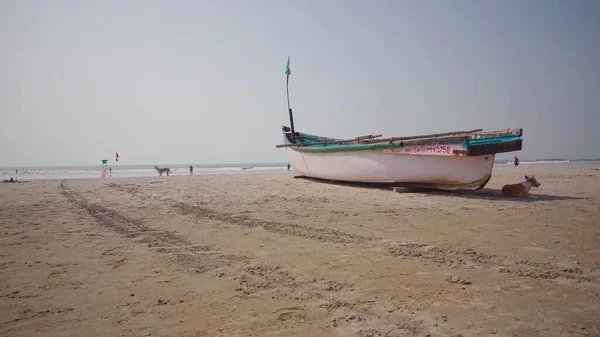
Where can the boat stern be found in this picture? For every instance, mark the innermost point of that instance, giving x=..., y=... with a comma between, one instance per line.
x=492, y=142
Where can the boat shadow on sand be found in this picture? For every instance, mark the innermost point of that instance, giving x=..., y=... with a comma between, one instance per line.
x=484, y=193
x=494, y=194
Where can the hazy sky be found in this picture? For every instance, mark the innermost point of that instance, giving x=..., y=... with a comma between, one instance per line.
x=203, y=81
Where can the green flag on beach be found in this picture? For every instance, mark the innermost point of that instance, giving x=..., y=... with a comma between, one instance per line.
x=287, y=68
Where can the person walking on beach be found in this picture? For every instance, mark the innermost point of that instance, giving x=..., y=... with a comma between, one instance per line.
x=109, y=172
x=516, y=161
x=288, y=167
x=191, y=170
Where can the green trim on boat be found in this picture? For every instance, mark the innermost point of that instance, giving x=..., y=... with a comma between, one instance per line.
x=310, y=140
x=493, y=140
x=337, y=147
x=351, y=147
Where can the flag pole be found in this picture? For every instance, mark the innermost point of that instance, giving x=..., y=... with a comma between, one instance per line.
x=288, y=72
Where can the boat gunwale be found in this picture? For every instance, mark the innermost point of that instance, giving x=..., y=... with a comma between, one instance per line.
x=506, y=136
x=472, y=134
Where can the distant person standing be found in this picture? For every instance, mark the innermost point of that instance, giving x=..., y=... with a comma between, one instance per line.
x=191, y=170
x=110, y=172
x=288, y=167
x=516, y=161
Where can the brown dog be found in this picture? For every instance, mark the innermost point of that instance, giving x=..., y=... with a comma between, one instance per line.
x=521, y=189
x=162, y=170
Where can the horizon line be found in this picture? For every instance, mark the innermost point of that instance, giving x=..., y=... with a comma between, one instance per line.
x=273, y=163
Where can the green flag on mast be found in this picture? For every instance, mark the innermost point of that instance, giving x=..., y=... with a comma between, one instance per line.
x=287, y=68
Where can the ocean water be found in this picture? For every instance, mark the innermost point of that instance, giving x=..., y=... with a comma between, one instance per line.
x=499, y=162
x=130, y=171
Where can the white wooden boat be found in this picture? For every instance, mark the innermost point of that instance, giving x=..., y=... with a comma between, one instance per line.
x=450, y=161
x=461, y=160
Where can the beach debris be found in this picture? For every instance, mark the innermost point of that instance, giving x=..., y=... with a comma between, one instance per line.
x=283, y=315
x=495, y=331
x=400, y=189
x=289, y=308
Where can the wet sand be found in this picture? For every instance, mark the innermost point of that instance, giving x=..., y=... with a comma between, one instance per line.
x=271, y=255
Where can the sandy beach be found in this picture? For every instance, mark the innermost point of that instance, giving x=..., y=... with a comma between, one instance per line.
x=272, y=255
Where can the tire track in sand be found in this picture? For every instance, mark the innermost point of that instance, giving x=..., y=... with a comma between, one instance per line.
x=192, y=257
x=422, y=252
x=254, y=278
x=301, y=231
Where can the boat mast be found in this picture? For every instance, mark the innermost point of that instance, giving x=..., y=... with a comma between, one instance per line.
x=288, y=72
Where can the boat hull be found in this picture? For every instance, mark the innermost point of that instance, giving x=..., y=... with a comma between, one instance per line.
x=387, y=166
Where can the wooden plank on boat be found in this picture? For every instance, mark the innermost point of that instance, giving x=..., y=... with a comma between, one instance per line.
x=453, y=133
x=329, y=142
x=502, y=133
x=401, y=189
x=447, y=140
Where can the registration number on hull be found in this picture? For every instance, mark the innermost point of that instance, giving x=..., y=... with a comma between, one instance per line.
x=430, y=149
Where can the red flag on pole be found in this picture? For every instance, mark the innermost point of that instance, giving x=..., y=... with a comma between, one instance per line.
x=117, y=156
